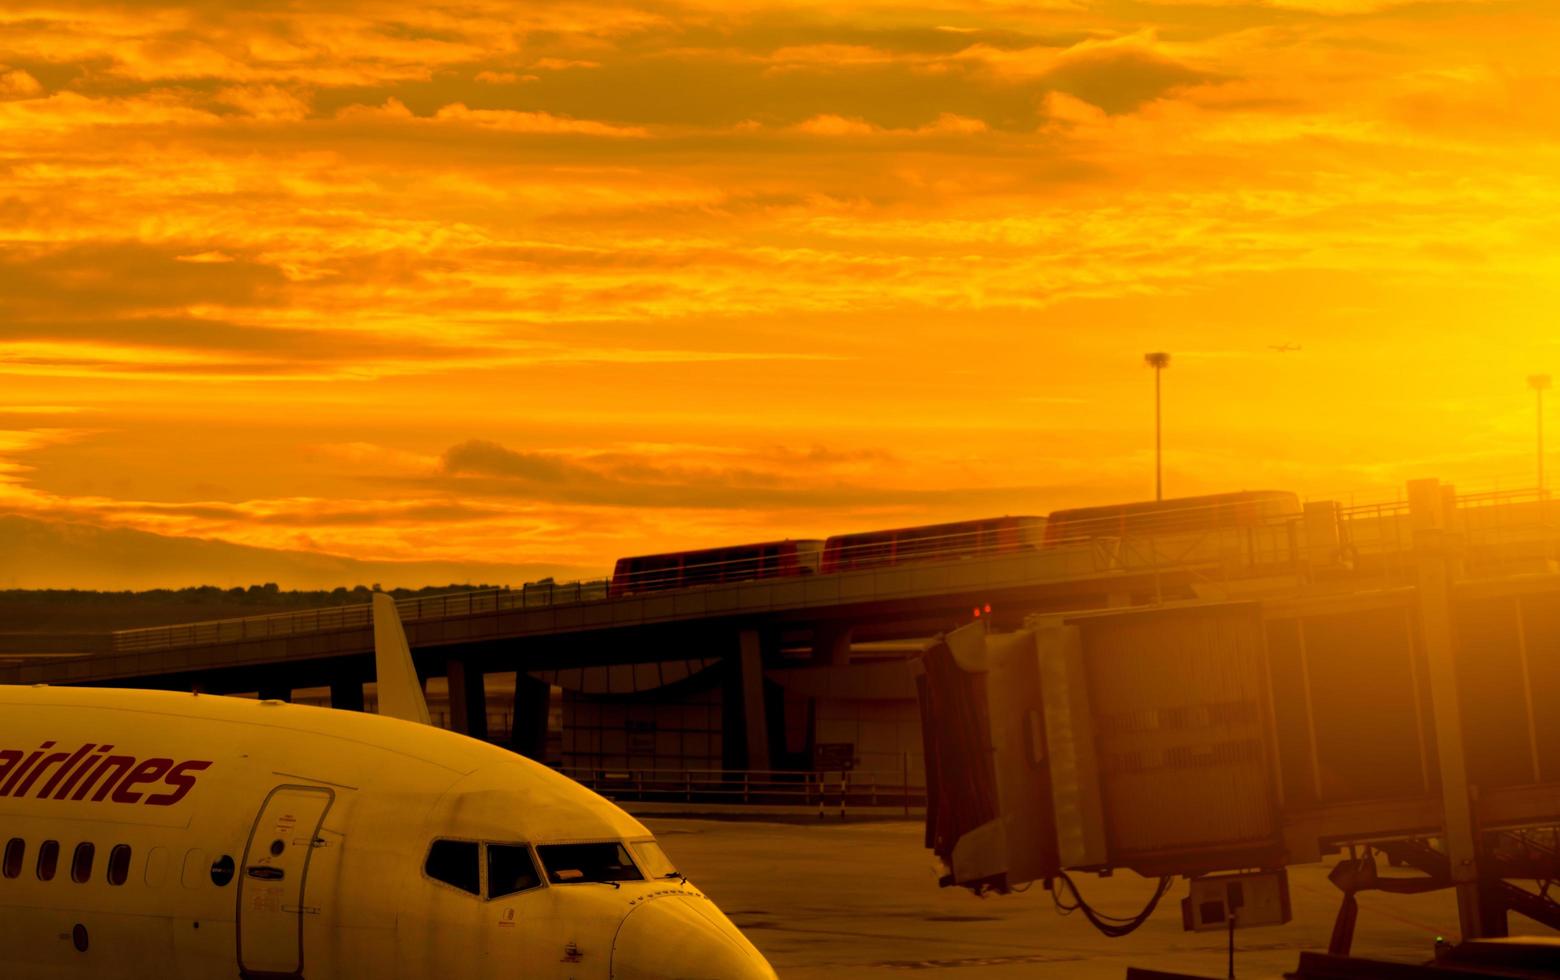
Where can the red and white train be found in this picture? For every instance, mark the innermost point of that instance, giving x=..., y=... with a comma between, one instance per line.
x=943, y=542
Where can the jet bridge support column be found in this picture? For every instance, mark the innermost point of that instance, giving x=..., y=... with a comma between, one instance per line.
x=468, y=698
x=746, y=720
x=533, y=703
x=1435, y=550
x=831, y=644
x=346, y=693
x=275, y=691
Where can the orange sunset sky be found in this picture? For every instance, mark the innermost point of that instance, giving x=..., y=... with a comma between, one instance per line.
x=500, y=290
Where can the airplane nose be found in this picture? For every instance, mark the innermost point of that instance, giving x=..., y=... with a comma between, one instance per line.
x=684, y=937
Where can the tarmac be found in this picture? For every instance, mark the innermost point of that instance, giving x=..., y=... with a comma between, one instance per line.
x=860, y=898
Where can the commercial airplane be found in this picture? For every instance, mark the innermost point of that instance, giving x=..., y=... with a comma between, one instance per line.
x=154, y=835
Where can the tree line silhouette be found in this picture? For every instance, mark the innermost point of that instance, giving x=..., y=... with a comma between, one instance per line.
x=93, y=611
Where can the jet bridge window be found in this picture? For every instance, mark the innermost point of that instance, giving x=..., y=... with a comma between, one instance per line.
x=455, y=862
x=15, y=851
x=510, y=869
x=48, y=859
x=568, y=864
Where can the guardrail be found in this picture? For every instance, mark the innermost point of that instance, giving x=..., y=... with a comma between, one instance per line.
x=1489, y=520
x=828, y=791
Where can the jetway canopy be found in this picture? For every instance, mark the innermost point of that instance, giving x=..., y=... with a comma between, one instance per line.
x=1205, y=737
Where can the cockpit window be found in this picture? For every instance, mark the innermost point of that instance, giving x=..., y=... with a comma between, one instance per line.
x=510, y=870
x=652, y=860
x=455, y=862
x=569, y=864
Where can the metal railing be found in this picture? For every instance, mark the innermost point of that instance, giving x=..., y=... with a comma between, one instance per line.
x=1488, y=520
x=1226, y=551
x=827, y=791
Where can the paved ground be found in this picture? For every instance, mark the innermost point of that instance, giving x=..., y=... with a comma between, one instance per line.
x=861, y=900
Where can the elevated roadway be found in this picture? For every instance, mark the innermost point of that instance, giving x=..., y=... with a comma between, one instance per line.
x=579, y=625
x=579, y=635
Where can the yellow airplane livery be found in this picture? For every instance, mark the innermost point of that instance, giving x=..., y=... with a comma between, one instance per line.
x=151, y=835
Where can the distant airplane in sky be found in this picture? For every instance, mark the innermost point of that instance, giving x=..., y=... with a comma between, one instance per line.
x=1283, y=348
x=153, y=834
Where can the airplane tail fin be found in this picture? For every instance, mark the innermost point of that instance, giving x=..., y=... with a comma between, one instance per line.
x=400, y=692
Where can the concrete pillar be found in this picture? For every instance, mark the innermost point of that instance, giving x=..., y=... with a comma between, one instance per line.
x=1451, y=514
x=831, y=644
x=1435, y=553
x=1322, y=540
x=755, y=719
x=346, y=693
x=1493, y=919
x=276, y=691
x=468, y=699
x=533, y=703
x=1426, y=505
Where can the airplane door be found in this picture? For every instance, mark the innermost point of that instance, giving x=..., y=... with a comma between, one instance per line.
x=272, y=879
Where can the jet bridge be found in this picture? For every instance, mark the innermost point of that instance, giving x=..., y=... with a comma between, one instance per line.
x=1413, y=725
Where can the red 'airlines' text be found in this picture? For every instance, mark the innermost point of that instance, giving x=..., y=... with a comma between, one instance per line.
x=92, y=772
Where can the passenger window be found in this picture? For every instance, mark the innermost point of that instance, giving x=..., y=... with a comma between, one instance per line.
x=570, y=863
x=119, y=864
x=15, y=850
x=455, y=862
x=81, y=863
x=48, y=859
x=510, y=869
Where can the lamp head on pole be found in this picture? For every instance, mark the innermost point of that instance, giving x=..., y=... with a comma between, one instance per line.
x=1538, y=382
x=1157, y=360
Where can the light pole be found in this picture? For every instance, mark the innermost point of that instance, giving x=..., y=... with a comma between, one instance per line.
x=1158, y=360
x=1540, y=383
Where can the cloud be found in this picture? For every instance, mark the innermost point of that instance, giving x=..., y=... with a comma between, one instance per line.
x=271, y=103
x=18, y=84
x=43, y=554
x=482, y=458
x=490, y=77
x=945, y=124
x=392, y=109
x=511, y=121
x=1119, y=78
x=498, y=120
x=562, y=64
x=485, y=468
x=63, y=112
x=124, y=279
x=832, y=125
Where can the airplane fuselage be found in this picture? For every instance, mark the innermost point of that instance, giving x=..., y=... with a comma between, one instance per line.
x=164, y=835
